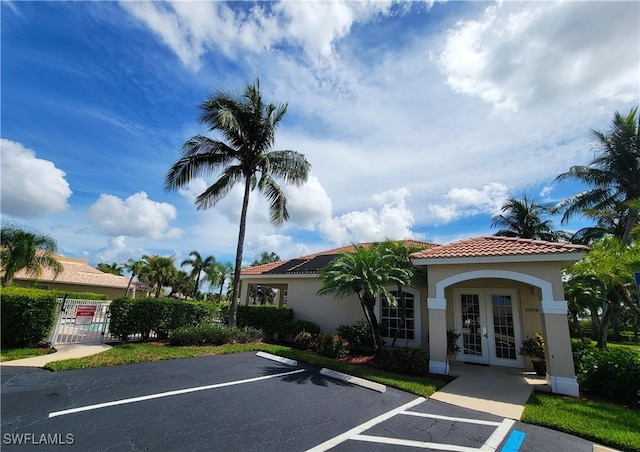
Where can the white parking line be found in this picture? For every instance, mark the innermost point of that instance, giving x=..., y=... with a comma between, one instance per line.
x=333, y=442
x=168, y=394
x=355, y=433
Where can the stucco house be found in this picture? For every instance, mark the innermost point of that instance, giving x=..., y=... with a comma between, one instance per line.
x=77, y=276
x=493, y=291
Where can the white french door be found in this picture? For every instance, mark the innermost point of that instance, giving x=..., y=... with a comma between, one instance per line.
x=488, y=322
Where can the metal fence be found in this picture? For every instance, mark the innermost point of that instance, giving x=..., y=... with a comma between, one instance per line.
x=81, y=321
x=85, y=321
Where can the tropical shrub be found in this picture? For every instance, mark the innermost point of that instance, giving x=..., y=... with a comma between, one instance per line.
x=613, y=373
x=213, y=334
x=273, y=321
x=332, y=345
x=305, y=340
x=160, y=315
x=410, y=361
x=358, y=335
x=298, y=326
x=27, y=316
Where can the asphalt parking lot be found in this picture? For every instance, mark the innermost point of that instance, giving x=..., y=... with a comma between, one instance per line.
x=240, y=402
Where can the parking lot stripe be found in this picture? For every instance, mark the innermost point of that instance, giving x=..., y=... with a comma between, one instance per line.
x=454, y=419
x=333, y=442
x=413, y=443
x=168, y=394
x=496, y=438
x=514, y=441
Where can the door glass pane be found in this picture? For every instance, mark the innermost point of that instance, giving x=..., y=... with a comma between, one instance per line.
x=471, y=327
x=503, y=326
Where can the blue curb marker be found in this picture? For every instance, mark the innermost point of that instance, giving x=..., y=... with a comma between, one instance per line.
x=514, y=441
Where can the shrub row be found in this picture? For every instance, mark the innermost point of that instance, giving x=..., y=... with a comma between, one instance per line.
x=161, y=315
x=613, y=373
x=213, y=334
x=273, y=321
x=330, y=345
x=410, y=361
x=27, y=316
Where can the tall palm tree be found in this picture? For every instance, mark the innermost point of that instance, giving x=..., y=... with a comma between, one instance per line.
x=198, y=264
x=614, y=174
x=114, y=268
x=20, y=249
x=158, y=271
x=135, y=267
x=217, y=274
x=366, y=272
x=406, y=273
x=524, y=218
x=265, y=258
x=243, y=155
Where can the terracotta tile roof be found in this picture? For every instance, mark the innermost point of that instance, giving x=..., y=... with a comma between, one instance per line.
x=77, y=271
x=311, y=263
x=497, y=246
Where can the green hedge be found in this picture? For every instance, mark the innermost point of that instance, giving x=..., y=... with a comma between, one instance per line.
x=161, y=315
x=273, y=321
x=410, y=361
x=27, y=316
x=214, y=334
x=613, y=373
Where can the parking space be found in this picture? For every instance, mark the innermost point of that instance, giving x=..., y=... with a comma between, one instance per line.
x=233, y=402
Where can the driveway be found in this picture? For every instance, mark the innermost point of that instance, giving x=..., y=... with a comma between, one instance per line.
x=240, y=402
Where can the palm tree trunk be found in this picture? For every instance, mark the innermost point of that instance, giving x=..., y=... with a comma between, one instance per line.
x=129, y=285
x=195, y=291
x=236, y=272
x=632, y=221
x=221, y=284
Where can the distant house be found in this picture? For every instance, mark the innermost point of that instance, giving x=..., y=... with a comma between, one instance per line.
x=493, y=291
x=77, y=276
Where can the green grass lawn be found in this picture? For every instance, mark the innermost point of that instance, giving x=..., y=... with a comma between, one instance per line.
x=605, y=423
x=18, y=353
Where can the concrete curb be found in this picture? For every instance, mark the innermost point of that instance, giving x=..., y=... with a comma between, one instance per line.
x=280, y=359
x=354, y=380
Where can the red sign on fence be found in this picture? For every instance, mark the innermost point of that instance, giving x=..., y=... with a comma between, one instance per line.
x=84, y=314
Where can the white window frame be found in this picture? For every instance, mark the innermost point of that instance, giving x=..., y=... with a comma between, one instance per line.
x=417, y=319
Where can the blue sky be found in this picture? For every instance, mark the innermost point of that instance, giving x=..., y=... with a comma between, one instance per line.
x=418, y=119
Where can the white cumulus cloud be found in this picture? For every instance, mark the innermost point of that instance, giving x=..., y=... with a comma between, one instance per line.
x=31, y=186
x=136, y=216
x=390, y=219
x=308, y=204
x=520, y=53
x=464, y=202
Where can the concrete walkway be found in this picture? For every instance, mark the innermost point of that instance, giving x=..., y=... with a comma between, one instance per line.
x=501, y=391
x=64, y=351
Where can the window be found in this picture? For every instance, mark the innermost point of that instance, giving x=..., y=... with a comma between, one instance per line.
x=391, y=317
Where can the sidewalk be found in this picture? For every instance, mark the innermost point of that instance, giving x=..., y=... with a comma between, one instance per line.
x=64, y=351
x=497, y=390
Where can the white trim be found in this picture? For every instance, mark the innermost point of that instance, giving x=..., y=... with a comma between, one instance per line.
x=545, y=286
x=438, y=367
x=417, y=318
x=437, y=303
x=544, y=257
x=554, y=306
x=564, y=385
